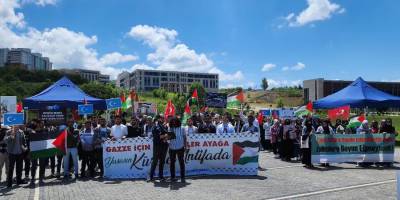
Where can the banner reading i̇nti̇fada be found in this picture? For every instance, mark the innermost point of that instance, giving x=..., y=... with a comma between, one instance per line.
x=208, y=154
x=352, y=148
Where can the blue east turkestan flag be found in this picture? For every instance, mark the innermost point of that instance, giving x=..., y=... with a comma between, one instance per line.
x=11, y=119
x=113, y=103
x=85, y=109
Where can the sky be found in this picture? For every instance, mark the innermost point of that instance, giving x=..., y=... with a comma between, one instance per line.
x=285, y=41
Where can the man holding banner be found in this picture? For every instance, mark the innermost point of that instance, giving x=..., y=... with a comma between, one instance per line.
x=160, y=148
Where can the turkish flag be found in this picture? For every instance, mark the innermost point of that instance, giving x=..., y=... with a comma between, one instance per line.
x=20, y=109
x=309, y=106
x=339, y=113
x=260, y=118
x=169, y=110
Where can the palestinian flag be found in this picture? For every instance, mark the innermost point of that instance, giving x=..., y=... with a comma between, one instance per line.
x=186, y=114
x=235, y=101
x=46, y=144
x=245, y=152
x=302, y=111
x=123, y=101
x=356, y=121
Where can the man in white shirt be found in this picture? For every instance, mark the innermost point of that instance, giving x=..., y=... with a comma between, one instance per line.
x=225, y=126
x=190, y=129
x=118, y=131
x=267, y=130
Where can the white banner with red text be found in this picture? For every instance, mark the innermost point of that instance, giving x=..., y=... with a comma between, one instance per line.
x=207, y=154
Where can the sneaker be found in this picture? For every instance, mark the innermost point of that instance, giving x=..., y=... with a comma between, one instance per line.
x=21, y=182
x=150, y=179
x=41, y=182
x=173, y=180
x=162, y=179
x=183, y=180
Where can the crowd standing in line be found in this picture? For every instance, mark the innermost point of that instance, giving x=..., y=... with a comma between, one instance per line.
x=288, y=139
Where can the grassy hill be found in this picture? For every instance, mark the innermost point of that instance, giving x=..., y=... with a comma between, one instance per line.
x=264, y=99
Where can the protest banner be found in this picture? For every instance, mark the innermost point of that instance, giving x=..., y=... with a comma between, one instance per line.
x=208, y=154
x=216, y=100
x=53, y=115
x=8, y=104
x=340, y=148
x=146, y=108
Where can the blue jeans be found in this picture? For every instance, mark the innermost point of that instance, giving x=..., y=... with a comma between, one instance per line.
x=74, y=153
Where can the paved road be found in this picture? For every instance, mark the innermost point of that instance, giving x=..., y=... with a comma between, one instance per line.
x=280, y=180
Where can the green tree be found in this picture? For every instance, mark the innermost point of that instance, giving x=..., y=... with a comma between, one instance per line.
x=100, y=90
x=279, y=103
x=264, y=84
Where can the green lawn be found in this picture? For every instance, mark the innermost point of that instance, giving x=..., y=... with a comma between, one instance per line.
x=395, y=121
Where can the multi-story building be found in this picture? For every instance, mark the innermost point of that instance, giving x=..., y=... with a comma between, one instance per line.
x=3, y=56
x=23, y=57
x=173, y=81
x=123, y=80
x=90, y=75
x=315, y=89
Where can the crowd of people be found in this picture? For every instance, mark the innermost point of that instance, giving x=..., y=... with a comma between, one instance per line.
x=290, y=139
x=287, y=138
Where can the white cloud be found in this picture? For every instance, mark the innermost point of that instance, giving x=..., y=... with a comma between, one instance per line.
x=268, y=67
x=140, y=66
x=8, y=16
x=115, y=58
x=64, y=47
x=41, y=2
x=170, y=54
x=317, y=10
x=297, y=67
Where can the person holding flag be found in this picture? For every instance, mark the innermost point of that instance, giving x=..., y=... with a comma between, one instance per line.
x=160, y=148
x=71, y=149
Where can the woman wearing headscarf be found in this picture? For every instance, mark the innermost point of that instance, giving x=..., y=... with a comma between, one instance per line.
x=274, y=136
x=325, y=129
x=364, y=128
x=374, y=127
x=307, y=131
x=287, y=146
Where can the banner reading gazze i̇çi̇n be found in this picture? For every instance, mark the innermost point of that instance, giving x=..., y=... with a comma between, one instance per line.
x=340, y=148
x=235, y=154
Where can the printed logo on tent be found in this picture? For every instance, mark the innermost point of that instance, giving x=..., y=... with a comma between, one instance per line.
x=245, y=152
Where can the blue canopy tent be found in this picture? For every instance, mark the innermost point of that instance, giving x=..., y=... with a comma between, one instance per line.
x=63, y=93
x=358, y=94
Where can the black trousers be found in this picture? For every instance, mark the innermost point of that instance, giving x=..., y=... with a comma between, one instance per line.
x=180, y=153
x=53, y=163
x=15, y=160
x=159, y=155
x=42, y=167
x=98, y=154
x=88, y=161
x=27, y=165
x=306, y=156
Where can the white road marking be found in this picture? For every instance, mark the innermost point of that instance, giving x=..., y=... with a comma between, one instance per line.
x=284, y=167
x=36, y=195
x=332, y=190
